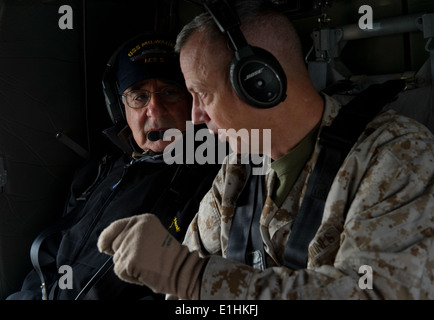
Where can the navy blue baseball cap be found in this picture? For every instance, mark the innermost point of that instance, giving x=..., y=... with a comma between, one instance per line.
x=149, y=56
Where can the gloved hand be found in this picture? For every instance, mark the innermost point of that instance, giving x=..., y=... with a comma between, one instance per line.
x=145, y=253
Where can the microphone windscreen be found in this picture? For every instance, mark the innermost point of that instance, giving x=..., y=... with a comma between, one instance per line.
x=155, y=135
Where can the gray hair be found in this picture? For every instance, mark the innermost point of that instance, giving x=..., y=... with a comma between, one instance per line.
x=266, y=27
x=246, y=9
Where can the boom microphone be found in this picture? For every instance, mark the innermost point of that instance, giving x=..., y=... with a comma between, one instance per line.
x=155, y=135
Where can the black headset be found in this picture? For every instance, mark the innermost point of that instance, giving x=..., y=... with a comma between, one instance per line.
x=113, y=100
x=256, y=75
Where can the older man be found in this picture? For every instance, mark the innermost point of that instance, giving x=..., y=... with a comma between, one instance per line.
x=147, y=88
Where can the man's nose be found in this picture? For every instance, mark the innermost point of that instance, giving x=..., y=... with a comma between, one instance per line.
x=198, y=114
x=156, y=108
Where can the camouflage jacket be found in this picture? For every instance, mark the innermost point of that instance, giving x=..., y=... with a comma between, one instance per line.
x=385, y=191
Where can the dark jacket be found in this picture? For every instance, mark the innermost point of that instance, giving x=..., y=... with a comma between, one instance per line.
x=125, y=188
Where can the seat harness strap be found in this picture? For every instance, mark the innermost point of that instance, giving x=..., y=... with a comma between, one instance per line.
x=336, y=141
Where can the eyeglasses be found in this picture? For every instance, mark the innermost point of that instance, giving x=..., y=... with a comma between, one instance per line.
x=138, y=99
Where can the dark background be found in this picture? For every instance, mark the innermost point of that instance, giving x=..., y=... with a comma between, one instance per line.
x=50, y=83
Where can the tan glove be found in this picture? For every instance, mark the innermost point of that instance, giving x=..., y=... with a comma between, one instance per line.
x=145, y=253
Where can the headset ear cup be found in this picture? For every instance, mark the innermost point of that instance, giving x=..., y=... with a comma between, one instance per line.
x=258, y=78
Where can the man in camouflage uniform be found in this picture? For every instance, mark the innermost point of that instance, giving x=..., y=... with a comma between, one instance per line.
x=379, y=211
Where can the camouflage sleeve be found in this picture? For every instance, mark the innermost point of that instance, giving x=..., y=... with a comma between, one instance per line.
x=390, y=221
x=389, y=228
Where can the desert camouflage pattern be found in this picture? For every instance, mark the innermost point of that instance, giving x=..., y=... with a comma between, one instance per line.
x=385, y=191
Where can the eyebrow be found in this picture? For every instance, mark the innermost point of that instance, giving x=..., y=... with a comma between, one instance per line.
x=196, y=86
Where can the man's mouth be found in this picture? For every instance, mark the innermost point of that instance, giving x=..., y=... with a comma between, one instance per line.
x=155, y=134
